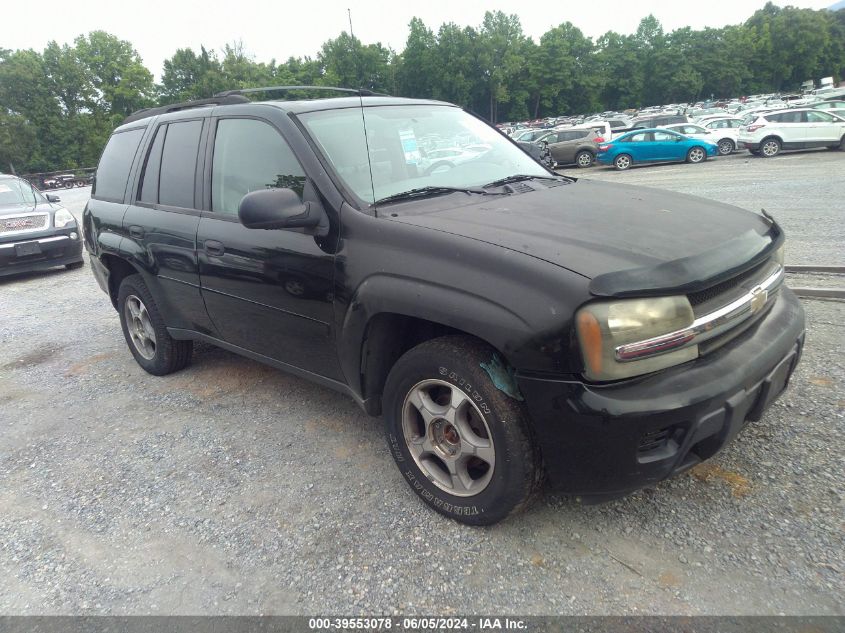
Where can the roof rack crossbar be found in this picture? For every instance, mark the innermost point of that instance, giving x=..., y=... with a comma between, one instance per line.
x=221, y=99
x=364, y=92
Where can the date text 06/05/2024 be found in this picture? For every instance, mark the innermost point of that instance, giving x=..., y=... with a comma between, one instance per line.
x=417, y=624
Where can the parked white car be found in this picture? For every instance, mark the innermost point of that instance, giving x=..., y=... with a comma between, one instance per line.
x=724, y=140
x=726, y=130
x=800, y=128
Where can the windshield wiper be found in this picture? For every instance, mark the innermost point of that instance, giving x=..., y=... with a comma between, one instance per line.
x=424, y=192
x=520, y=177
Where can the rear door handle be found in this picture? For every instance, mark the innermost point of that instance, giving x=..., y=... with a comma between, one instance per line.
x=213, y=247
x=136, y=231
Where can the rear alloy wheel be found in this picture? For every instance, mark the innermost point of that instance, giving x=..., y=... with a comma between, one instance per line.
x=622, y=162
x=770, y=148
x=696, y=155
x=584, y=159
x=145, y=332
x=461, y=443
x=726, y=146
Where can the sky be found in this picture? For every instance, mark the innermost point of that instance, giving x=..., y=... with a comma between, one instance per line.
x=281, y=28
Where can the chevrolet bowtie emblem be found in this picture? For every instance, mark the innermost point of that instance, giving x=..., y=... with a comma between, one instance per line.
x=759, y=296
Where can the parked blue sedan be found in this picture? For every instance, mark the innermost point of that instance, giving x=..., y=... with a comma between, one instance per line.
x=654, y=146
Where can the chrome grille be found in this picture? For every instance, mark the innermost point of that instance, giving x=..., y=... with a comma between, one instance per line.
x=710, y=299
x=13, y=224
x=718, y=317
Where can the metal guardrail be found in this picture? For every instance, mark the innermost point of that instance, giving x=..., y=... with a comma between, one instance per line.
x=815, y=269
x=817, y=293
x=65, y=178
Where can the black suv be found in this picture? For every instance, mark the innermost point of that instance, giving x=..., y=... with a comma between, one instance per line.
x=36, y=233
x=511, y=325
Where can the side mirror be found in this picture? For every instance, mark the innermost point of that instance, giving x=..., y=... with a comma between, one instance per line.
x=53, y=198
x=280, y=209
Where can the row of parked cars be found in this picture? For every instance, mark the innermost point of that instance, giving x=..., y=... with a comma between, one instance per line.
x=677, y=137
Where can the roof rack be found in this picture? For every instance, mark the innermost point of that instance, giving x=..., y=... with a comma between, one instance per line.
x=229, y=97
x=361, y=92
x=221, y=99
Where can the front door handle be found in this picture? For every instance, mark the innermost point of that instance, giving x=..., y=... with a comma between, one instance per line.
x=136, y=231
x=213, y=247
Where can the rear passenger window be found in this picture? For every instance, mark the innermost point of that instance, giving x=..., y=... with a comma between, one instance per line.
x=250, y=155
x=785, y=117
x=115, y=163
x=179, y=164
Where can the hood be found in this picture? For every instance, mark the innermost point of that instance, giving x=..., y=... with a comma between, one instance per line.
x=628, y=240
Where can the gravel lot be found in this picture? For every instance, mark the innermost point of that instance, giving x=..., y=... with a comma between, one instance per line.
x=234, y=488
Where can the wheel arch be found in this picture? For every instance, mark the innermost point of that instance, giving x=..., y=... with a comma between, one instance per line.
x=390, y=315
x=119, y=269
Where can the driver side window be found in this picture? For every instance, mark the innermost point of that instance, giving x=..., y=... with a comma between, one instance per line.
x=250, y=155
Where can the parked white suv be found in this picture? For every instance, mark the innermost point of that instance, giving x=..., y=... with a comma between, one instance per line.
x=768, y=133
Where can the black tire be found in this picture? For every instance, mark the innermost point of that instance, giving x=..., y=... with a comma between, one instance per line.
x=770, y=147
x=623, y=162
x=696, y=155
x=584, y=159
x=452, y=364
x=74, y=265
x=726, y=146
x=168, y=355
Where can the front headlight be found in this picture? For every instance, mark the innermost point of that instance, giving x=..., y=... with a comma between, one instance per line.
x=603, y=328
x=62, y=218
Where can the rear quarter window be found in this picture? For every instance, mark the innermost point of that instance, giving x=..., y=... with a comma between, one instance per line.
x=115, y=164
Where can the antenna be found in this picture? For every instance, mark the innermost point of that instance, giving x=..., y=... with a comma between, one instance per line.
x=361, y=100
x=352, y=38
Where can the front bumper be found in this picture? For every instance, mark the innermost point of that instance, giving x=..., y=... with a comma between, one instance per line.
x=603, y=441
x=40, y=251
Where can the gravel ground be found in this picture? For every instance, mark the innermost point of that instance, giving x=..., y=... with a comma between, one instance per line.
x=234, y=488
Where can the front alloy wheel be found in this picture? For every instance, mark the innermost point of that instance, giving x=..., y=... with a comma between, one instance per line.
x=462, y=443
x=696, y=155
x=448, y=437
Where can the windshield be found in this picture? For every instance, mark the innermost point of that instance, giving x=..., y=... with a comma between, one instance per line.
x=414, y=146
x=17, y=192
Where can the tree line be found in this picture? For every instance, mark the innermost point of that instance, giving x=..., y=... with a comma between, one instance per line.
x=58, y=106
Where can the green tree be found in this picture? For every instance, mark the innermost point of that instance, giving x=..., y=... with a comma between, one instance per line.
x=187, y=76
